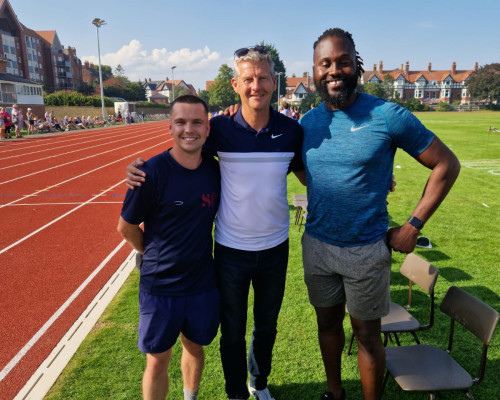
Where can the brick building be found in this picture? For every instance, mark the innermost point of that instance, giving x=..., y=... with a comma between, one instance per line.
x=37, y=56
x=429, y=86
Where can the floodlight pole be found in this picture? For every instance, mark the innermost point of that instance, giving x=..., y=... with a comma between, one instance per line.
x=279, y=79
x=98, y=23
x=173, y=83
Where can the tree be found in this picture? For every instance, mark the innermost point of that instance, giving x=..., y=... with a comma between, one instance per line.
x=309, y=98
x=106, y=71
x=413, y=105
x=484, y=84
x=278, y=67
x=134, y=91
x=204, y=95
x=120, y=74
x=388, y=85
x=375, y=89
x=85, y=89
x=180, y=91
x=221, y=92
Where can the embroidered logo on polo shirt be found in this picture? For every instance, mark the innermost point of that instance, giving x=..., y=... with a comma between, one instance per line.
x=353, y=129
x=273, y=136
x=178, y=202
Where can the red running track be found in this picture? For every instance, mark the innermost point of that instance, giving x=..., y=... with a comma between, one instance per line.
x=60, y=199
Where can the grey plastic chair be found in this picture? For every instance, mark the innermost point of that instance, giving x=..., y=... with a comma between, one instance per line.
x=430, y=369
x=399, y=319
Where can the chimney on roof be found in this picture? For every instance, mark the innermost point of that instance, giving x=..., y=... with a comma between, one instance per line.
x=305, y=75
x=476, y=66
x=454, y=68
x=401, y=67
x=374, y=67
x=380, y=67
x=407, y=67
x=429, y=67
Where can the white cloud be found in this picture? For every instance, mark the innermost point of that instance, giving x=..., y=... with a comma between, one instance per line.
x=156, y=64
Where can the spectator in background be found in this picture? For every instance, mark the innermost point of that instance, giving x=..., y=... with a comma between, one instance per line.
x=19, y=122
x=31, y=121
x=2, y=125
x=56, y=125
x=7, y=120
x=128, y=117
x=286, y=110
x=119, y=117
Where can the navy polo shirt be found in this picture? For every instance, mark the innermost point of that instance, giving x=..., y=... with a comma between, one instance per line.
x=253, y=213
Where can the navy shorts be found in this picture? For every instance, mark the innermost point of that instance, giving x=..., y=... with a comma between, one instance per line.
x=163, y=318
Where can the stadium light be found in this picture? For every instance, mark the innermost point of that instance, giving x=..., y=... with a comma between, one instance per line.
x=279, y=78
x=173, y=83
x=98, y=23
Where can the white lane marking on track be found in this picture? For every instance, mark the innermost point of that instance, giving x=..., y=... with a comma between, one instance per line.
x=56, y=219
x=95, y=155
x=72, y=136
x=66, y=204
x=77, y=142
x=19, y=356
x=75, y=177
x=71, y=152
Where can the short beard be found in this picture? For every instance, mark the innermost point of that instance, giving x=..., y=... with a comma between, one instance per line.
x=337, y=101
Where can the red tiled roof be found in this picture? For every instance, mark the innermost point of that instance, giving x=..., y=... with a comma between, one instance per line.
x=48, y=36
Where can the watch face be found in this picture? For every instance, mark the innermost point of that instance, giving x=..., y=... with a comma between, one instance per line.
x=414, y=221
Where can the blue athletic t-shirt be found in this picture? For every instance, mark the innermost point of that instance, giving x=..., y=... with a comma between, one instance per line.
x=178, y=207
x=349, y=155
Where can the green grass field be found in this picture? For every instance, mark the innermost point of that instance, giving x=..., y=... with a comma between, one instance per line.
x=465, y=236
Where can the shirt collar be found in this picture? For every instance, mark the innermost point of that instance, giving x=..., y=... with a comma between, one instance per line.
x=240, y=121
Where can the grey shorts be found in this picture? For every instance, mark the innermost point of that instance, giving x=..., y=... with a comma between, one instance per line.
x=358, y=276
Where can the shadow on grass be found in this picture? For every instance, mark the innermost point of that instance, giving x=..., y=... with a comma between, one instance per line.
x=452, y=274
x=313, y=390
x=484, y=294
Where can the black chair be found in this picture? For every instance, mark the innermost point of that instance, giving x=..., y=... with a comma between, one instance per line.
x=430, y=369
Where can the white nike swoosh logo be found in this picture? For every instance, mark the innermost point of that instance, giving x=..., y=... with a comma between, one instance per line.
x=353, y=129
x=178, y=202
x=275, y=136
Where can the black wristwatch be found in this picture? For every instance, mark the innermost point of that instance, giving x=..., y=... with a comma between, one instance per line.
x=416, y=223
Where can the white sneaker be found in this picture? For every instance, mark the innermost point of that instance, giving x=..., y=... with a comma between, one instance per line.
x=260, y=394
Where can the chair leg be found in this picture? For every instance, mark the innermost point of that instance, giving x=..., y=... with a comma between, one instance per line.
x=415, y=336
x=397, y=339
x=348, y=352
x=386, y=338
x=469, y=395
x=384, y=382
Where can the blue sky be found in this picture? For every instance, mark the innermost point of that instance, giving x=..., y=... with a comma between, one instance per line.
x=147, y=37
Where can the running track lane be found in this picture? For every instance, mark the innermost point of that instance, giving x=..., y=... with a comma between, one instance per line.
x=60, y=198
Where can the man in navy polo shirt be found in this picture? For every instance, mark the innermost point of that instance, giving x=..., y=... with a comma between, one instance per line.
x=256, y=148
x=178, y=293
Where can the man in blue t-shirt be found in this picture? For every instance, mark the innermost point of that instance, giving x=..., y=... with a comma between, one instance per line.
x=178, y=294
x=348, y=152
